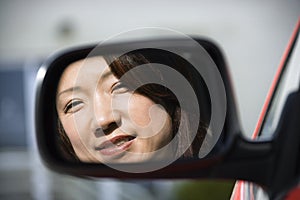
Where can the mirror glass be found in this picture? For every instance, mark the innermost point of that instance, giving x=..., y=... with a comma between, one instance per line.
x=143, y=105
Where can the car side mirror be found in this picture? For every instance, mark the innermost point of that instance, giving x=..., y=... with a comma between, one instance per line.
x=135, y=108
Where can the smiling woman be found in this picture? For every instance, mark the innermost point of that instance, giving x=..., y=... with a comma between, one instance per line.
x=106, y=118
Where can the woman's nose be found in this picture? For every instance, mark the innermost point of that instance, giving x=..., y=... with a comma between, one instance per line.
x=104, y=116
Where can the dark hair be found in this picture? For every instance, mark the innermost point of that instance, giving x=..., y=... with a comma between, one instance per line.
x=158, y=94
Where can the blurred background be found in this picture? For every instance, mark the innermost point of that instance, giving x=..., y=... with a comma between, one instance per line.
x=252, y=34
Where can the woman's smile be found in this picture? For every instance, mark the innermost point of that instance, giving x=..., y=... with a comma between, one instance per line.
x=115, y=145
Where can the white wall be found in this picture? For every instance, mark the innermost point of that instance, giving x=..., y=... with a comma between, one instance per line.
x=253, y=34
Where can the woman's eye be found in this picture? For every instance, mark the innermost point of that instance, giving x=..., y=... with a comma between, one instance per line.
x=119, y=87
x=72, y=106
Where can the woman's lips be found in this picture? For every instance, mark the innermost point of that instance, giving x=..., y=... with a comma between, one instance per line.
x=116, y=145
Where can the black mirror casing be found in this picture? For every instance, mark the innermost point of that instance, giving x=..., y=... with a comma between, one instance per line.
x=47, y=82
x=230, y=147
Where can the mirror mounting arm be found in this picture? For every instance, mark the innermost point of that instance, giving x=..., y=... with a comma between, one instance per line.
x=248, y=160
x=274, y=163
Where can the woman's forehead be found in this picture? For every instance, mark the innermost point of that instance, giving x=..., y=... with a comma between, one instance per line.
x=85, y=71
x=88, y=65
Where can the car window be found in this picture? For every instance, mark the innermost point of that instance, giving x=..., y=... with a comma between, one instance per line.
x=288, y=83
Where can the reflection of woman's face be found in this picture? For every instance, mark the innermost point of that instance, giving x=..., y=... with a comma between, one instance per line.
x=104, y=120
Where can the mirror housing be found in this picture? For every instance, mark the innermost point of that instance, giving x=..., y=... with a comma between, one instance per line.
x=47, y=82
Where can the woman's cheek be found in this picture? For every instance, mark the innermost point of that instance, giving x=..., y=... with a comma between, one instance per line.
x=70, y=130
x=139, y=110
x=151, y=120
x=73, y=127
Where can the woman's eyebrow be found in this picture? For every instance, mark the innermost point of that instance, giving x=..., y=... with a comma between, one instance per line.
x=105, y=76
x=71, y=89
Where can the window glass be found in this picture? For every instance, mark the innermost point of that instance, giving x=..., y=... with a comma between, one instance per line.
x=289, y=82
